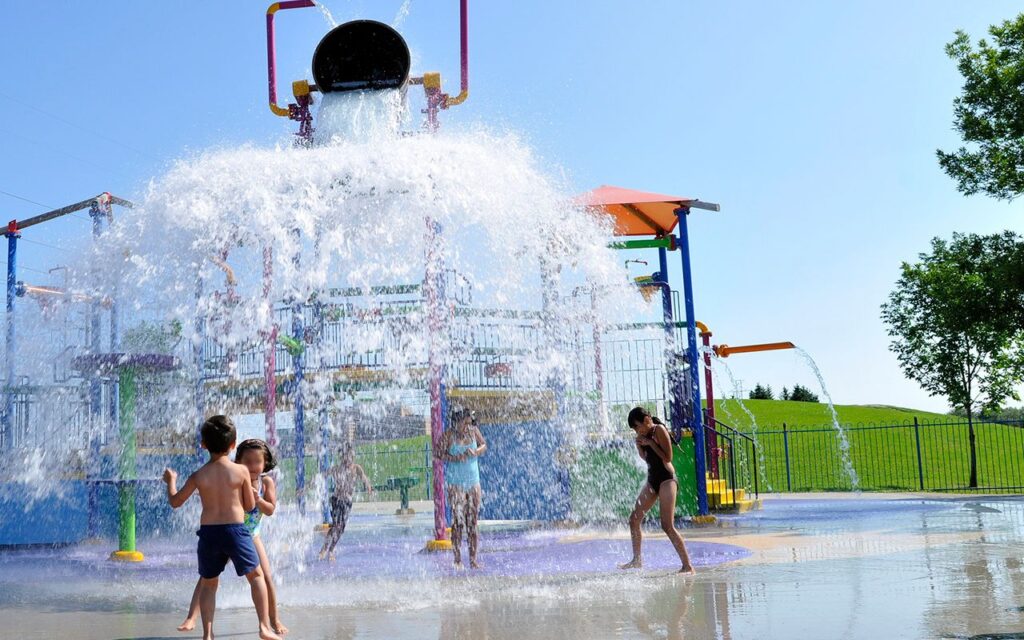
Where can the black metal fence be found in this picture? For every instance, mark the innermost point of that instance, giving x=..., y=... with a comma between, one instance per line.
x=912, y=456
x=733, y=457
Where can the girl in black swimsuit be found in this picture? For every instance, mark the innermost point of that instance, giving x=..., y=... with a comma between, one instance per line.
x=655, y=447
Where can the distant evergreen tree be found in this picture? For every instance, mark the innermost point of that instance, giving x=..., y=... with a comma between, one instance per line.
x=785, y=394
x=761, y=392
x=801, y=393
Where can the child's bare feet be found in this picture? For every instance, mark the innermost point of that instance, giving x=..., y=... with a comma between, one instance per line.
x=266, y=633
x=323, y=554
x=188, y=625
x=475, y=565
x=458, y=565
x=279, y=628
x=688, y=570
x=332, y=558
x=632, y=564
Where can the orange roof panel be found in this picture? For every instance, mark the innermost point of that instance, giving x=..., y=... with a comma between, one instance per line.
x=636, y=213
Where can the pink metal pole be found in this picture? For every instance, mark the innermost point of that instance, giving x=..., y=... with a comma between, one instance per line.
x=271, y=47
x=712, y=440
x=270, y=362
x=464, y=44
x=463, y=57
x=435, y=326
x=598, y=364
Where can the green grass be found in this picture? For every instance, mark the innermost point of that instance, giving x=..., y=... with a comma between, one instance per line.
x=883, y=458
x=773, y=413
x=380, y=460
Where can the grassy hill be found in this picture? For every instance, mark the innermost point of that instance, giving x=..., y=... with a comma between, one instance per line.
x=884, y=447
x=773, y=413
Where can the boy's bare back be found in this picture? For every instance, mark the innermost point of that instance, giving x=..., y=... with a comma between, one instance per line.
x=224, y=489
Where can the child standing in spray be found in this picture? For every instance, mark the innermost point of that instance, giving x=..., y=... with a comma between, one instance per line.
x=254, y=455
x=225, y=489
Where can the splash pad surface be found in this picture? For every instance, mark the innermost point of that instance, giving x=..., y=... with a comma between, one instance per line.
x=850, y=566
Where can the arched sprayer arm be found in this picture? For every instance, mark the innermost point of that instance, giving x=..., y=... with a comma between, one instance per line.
x=464, y=57
x=271, y=52
x=724, y=350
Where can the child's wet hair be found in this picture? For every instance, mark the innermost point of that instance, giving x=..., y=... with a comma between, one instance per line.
x=255, y=444
x=218, y=434
x=636, y=416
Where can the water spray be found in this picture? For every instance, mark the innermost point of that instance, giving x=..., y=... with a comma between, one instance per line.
x=361, y=55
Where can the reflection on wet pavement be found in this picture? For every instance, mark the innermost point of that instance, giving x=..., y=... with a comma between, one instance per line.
x=851, y=568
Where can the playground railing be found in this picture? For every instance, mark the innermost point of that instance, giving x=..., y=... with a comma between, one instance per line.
x=746, y=452
x=916, y=455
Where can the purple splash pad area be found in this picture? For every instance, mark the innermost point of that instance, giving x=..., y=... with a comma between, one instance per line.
x=518, y=553
x=155, y=362
x=377, y=552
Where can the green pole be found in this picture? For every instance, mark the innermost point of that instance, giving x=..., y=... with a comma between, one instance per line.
x=126, y=467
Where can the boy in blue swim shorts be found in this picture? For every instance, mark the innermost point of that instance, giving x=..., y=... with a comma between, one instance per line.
x=226, y=493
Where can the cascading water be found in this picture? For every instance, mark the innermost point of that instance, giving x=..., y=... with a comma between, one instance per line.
x=352, y=212
x=402, y=13
x=721, y=364
x=844, y=443
x=232, y=247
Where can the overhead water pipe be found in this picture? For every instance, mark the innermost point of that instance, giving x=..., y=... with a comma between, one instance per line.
x=14, y=228
x=463, y=57
x=724, y=350
x=284, y=112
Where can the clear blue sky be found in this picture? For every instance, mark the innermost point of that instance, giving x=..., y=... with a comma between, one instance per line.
x=813, y=123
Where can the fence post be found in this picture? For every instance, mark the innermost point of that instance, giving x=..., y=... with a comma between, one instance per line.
x=785, y=447
x=426, y=467
x=920, y=465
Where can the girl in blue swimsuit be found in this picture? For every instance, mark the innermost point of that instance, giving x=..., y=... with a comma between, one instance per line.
x=257, y=457
x=462, y=446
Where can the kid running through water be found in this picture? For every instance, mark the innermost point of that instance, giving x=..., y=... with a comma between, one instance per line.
x=344, y=475
x=256, y=456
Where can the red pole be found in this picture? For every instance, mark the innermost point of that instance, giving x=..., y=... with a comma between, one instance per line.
x=712, y=440
x=435, y=325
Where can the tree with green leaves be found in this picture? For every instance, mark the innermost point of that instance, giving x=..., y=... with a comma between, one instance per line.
x=801, y=393
x=955, y=320
x=989, y=113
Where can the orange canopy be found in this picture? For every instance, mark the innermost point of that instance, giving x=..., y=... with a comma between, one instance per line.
x=639, y=213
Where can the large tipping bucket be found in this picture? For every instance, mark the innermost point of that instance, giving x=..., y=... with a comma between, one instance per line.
x=361, y=55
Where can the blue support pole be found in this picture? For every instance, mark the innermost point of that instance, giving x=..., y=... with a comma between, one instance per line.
x=98, y=212
x=691, y=359
x=95, y=347
x=12, y=352
x=299, y=363
x=324, y=453
x=96, y=390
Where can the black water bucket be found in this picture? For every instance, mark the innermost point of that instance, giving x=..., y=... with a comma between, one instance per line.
x=361, y=55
